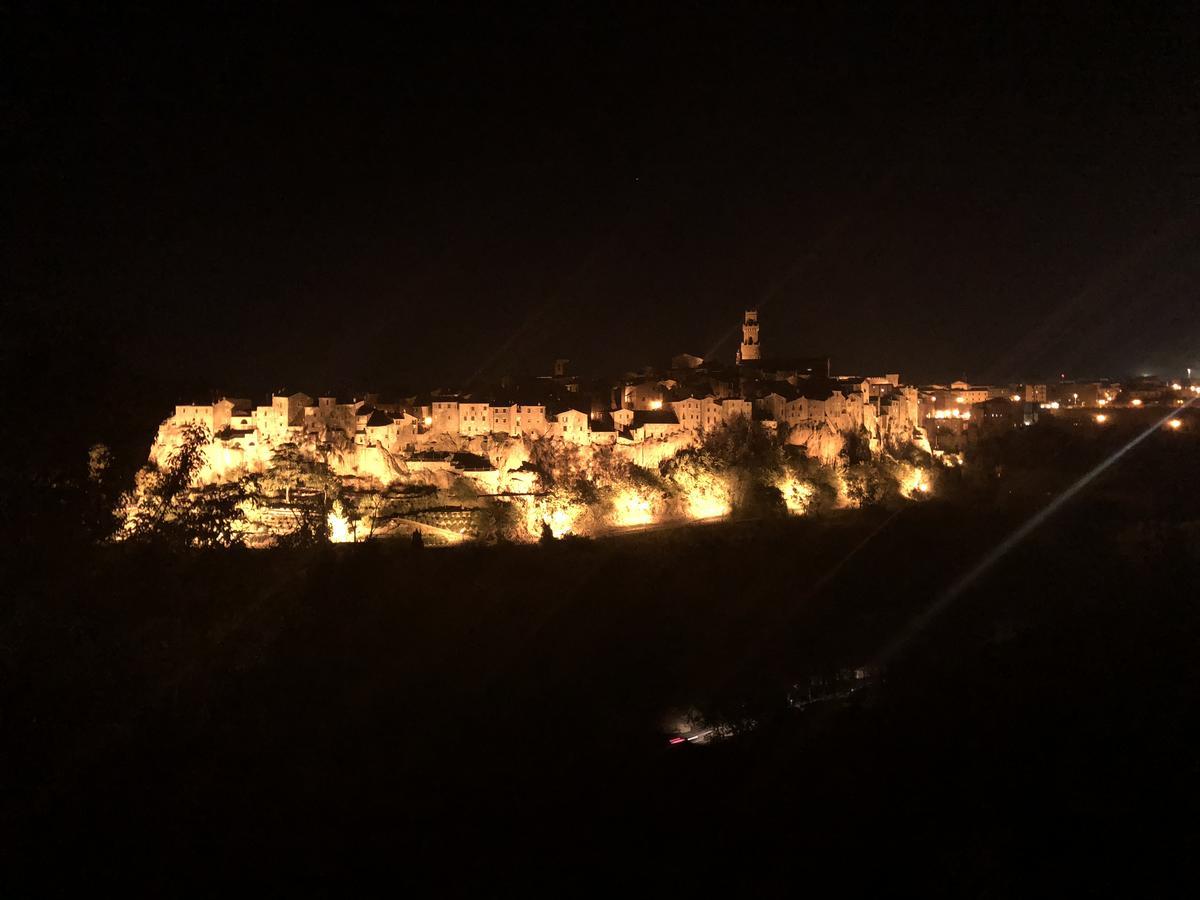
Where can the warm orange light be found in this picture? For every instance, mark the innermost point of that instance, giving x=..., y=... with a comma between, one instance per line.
x=1015, y=398
x=656, y=404
x=558, y=512
x=960, y=399
x=796, y=494
x=340, y=529
x=1101, y=418
x=1177, y=386
x=707, y=506
x=1135, y=402
x=705, y=495
x=1176, y=424
x=913, y=480
x=428, y=421
x=632, y=508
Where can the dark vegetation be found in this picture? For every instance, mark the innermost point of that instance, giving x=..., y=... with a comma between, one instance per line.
x=483, y=711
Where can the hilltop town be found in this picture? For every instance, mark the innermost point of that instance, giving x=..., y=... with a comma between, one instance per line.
x=503, y=441
x=647, y=416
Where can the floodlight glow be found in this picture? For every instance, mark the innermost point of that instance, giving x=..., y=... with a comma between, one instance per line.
x=796, y=494
x=703, y=505
x=340, y=531
x=631, y=507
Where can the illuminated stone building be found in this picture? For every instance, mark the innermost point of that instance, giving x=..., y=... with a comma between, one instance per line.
x=647, y=419
x=750, y=350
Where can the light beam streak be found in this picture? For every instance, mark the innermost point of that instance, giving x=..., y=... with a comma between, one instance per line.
x=960, y=585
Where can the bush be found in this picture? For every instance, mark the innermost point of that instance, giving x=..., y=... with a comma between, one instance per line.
x=762, y=500
x=871, y=484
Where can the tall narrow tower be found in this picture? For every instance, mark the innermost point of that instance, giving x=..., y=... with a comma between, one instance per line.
x=749, y=351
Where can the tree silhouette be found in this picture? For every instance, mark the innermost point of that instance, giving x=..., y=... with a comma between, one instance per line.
x=166, y=507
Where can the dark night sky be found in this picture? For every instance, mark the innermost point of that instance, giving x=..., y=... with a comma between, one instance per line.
x=242, y=200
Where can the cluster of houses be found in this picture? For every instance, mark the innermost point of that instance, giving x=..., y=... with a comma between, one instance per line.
x=649, y=415
x=957, y=413
x=690, y=396
x=368, y=421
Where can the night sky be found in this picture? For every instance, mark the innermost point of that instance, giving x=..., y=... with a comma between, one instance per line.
x=241, y=200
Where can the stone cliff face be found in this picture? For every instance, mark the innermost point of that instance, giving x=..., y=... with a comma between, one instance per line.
x=894, y=428
x=224, y=460
x=821, y=441
x=230, y=457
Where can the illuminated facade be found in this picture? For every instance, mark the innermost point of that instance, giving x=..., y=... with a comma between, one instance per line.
x=647, y=419
x=750, y=350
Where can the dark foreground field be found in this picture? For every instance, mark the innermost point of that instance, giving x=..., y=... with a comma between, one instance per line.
x=486, y=712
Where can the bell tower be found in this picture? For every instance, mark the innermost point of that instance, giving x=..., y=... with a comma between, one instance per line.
x=750, y=350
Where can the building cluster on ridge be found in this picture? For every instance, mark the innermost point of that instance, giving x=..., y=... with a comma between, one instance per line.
x=688, y=397
x=691, y=395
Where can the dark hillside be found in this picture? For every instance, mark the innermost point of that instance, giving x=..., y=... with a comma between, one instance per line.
x=482, y=707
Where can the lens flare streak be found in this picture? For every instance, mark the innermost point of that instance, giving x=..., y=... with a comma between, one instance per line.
x=960, y=585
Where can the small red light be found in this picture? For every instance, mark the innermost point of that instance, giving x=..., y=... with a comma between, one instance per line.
x=677, y=740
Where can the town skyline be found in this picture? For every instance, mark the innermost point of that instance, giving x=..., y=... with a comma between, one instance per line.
x=394, y=210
